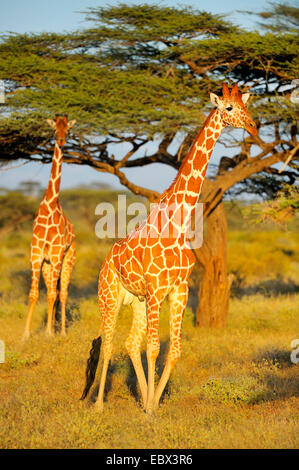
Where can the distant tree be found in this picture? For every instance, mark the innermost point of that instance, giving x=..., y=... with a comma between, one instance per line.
x=280, y=210
x=3, y=190
x=30, y=188
x=15, y=209
x=144, y=72
x=96, y=185
x=279, y=17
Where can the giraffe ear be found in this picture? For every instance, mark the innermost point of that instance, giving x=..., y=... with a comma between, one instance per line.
x=71, y=123
x=214, y=99
x=51, y=123
x=245, y=97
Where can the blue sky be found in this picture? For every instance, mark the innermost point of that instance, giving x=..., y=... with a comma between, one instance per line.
x=64, y=15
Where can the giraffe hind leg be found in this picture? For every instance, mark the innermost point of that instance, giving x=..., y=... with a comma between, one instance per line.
x=109, y=309
x=36, y=263
x=52, y=277
x=47, y=275
x=66, y=271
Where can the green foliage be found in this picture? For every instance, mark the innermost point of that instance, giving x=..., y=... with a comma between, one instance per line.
x=14, y=360
x=263, y=254
x=279, y=210
x=145, y=22
x=139, y=71
x=289, y=197
x=106, y=98
x=16, y=208
x=281, y=17
x=240, y=390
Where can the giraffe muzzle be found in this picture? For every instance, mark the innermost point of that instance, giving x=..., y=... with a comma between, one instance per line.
x=251, y=128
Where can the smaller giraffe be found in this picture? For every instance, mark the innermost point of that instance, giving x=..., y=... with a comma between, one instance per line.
x=53, y=241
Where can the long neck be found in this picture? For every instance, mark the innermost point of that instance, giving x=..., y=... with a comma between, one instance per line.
x=52, y=191
x=187, y=185
x=180, y=200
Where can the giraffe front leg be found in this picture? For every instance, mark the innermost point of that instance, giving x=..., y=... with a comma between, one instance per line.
x=36, y=262
x=52, y=296
x=177, y=299
x=47, y=275
x=66, y=271
x=153, y=345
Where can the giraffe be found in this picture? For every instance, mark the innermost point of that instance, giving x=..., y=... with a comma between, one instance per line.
x=146, y=266
x=53, y=241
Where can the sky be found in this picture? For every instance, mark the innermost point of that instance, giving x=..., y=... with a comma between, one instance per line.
x=66, y=15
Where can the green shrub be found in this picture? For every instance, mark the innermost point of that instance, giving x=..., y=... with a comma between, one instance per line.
x=235, y=390
x=14, y=360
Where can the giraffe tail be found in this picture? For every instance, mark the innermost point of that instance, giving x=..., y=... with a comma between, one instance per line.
x=91, y=367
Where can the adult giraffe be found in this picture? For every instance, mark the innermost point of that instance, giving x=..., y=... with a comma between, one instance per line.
x=156, y=260
x=53, y=241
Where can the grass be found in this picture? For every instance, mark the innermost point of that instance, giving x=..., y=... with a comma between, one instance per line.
x=232, y=388
x=235, y=388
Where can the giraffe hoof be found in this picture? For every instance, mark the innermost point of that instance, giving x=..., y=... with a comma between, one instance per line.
x=156, y=406
x=99, y=407
x=26, y=336
x=149, y=410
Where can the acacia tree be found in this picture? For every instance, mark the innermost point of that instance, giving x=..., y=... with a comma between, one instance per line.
x=143, y=72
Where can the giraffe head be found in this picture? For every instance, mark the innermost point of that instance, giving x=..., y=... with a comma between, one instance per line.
x=233, y=110
x=61, y=126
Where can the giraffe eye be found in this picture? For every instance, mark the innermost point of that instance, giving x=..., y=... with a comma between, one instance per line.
x=229, y=108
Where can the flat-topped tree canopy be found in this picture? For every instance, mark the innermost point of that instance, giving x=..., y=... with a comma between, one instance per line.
x=146, y=71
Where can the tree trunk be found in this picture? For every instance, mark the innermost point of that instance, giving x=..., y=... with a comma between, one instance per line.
x=214, y=289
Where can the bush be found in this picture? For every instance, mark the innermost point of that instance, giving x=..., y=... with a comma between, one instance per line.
x=235, y=390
